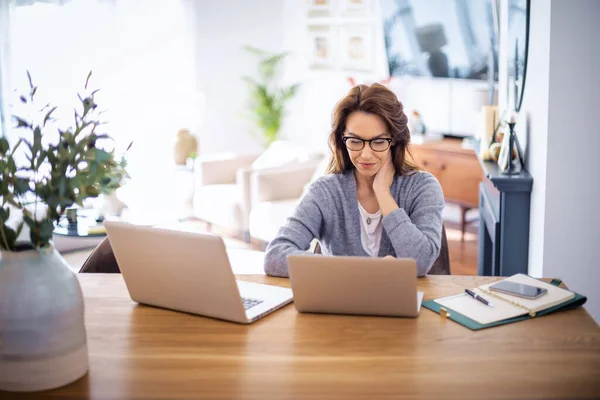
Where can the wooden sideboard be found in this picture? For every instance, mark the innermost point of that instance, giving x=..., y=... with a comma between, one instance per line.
x=456, y=168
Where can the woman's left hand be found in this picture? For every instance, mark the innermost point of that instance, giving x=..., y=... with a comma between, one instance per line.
x=385, y=176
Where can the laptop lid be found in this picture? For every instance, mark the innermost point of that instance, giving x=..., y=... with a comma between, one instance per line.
x=183, y=271
x=354, y=285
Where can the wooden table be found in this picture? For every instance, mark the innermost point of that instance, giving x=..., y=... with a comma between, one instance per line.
x=148, y=353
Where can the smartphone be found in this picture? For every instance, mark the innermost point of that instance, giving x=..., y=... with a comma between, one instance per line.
x=518, y=289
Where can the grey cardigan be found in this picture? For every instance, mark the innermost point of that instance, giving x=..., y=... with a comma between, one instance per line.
x=328, y=212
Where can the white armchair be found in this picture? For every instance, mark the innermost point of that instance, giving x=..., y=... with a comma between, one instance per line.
x=275, y=194
x=229, y=186
x=222, y=190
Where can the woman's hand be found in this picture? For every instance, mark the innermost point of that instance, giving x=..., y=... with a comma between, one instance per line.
x=381, y=186
x=385, y=176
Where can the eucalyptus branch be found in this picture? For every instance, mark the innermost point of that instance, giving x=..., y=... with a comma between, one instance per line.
x=5, y=244
x=61, y=174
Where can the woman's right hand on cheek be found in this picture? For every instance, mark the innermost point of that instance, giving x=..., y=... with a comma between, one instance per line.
x=385, y=176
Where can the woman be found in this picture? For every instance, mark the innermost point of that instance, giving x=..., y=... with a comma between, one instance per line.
x=373, y=201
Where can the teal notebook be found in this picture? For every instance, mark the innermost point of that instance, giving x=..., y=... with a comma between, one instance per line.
x=506, y=309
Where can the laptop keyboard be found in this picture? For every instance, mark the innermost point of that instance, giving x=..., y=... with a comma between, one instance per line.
x=249, y=303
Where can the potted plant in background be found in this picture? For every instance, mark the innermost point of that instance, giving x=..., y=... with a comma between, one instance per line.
x=110, y=204
x=267, y=98
x=47, y=171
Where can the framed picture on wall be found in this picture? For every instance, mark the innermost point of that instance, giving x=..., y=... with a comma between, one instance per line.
x=356, y=7
x=321, y=46
x=319, y=7
x=356, y=47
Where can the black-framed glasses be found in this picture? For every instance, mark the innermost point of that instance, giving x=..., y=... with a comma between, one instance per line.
x=356, y=144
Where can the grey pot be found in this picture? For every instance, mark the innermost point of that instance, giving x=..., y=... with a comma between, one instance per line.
x=42, y=332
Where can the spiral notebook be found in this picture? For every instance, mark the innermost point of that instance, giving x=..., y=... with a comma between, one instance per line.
x=506, y=309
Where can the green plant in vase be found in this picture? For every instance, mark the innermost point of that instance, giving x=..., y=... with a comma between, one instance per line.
x=268, y=99
x=47, y=171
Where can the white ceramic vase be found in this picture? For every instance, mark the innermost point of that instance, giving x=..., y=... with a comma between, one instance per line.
x=42, y=332
x=111, y=205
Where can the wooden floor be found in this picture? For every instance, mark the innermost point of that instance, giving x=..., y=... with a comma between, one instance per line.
x=463, y=253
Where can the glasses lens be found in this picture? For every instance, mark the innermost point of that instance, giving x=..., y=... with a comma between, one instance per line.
x=354, y=144
x=380, y=145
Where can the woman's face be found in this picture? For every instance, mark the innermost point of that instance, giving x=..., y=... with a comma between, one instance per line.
x=365, y=126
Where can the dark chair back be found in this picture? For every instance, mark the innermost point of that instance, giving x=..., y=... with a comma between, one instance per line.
x=441, y=265
x=101, y=260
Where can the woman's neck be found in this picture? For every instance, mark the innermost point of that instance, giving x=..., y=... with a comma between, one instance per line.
x=363, y=183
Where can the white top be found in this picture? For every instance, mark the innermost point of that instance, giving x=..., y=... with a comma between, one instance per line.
x=370, y=231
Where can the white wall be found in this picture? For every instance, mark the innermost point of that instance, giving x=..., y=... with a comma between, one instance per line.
x=4, y=76
x=560, y=104
x=572, y=233
x=309, y=118
x=223, y=27
x=534, y=122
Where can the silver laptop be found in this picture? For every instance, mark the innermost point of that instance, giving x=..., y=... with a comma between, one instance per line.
x=355, y=285
x=189, y=272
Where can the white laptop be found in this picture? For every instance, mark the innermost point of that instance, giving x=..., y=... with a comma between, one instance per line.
x=355, y=285
x=189, y=272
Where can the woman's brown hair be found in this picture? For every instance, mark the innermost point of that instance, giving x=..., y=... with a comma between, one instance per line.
x=374, y=99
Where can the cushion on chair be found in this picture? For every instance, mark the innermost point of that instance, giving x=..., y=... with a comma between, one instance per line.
x=219, y=204
x=101, y=260
x=267, y=217
x=319, y=172
x=282, y=153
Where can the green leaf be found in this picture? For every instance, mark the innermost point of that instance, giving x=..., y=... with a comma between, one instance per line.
x=29, y=221
x=21, y=123
x=46, y=229
x=37, y=140
x=62, y=186
x=11, y=200
x=8, y=237
x=29, y=79
x=255, y=51
x=11, y=166
x=4, y=214
x=48, y=115
x=41, y=159
x=4, y=146
x=102, y=156
x=92, y=191
x=19, y=229
x=87, y=80
x=88, y=103
x=21, y=186
x=250, y=81
x=17, y=146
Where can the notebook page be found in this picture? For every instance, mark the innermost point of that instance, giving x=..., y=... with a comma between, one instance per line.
x=477, y=311
x=554, y=296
